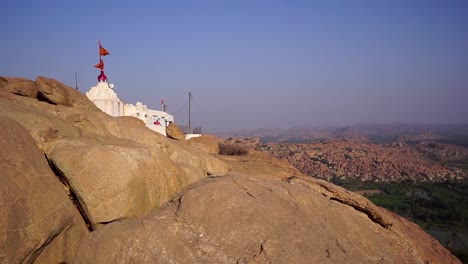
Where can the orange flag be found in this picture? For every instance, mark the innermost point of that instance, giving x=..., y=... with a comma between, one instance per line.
x=100, y=65
x=103, y=51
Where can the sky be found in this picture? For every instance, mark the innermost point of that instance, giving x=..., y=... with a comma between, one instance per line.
x=253, y=64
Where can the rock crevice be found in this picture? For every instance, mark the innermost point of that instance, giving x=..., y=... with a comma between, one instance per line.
x=73, y=195
x=370, y=213
x=342, y=196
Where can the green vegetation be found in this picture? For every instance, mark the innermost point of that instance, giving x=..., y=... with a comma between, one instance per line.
x=439, y=206
x=461, y=164
x=445, y=202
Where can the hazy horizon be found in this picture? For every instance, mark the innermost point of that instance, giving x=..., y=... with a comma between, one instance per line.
x=255, y=64
x=427, y=127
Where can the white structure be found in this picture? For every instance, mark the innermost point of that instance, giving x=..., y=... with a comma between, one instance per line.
x=155, y=120
x=106, y=99
x=189, y=136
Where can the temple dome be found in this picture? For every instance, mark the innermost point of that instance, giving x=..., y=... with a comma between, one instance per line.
x=102, y=77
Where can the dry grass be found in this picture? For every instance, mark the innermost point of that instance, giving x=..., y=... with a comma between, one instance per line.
x=232, y=149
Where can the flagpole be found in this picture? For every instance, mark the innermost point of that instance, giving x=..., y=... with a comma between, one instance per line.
x=190, y=98
x=76, y=80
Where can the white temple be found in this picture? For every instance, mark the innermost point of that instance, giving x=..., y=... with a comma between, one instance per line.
x=106, y=99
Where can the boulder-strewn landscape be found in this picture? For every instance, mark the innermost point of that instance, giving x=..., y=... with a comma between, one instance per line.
x=381, y=153
x=365, y=161
x=79, y=186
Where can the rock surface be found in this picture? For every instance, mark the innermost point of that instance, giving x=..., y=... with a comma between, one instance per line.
x=19, y=86
x=36, y=211
x=241, y=219
x=173, y=131
x=55, y=92
x=113, y=178
x=205, y=143
x=259, y=164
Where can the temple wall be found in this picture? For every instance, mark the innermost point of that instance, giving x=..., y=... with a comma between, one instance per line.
x=107, y=100
x=110, y=107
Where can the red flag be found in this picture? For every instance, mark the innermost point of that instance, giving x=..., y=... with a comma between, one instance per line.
x=100, y=65
x=103, y=51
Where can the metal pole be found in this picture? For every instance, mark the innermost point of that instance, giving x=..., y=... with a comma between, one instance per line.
x=190, y=98
x=76, y=80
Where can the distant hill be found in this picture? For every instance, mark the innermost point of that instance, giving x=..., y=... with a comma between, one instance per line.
x=375, y=133
x=374, y=162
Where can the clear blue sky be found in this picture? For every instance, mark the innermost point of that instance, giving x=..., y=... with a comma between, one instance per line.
x=254, y=64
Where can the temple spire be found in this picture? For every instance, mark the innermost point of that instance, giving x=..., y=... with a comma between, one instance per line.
x=102, y=52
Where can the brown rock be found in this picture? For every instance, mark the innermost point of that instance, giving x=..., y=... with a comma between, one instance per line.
x=239, y=219
x=39, y=118
x=52, y=91
x=259, y=164
x=199, y=162
x=185, y=155
x=38, y=220
x=55, y=92
x=114, y=178
x=173, y=131
x=19, y=86
x=206, y=143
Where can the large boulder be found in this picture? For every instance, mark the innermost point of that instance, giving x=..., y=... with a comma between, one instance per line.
x=185, y=155
x=19, y=86
x=55, y=92
x=39, y=118
x=240, y=219
x=114, y=178
x=38, y=220
x=173, y=131
x=206, y=143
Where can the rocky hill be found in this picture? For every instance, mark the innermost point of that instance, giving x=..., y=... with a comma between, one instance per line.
x=79, y=186
x=442, y=152
x=366, y=161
